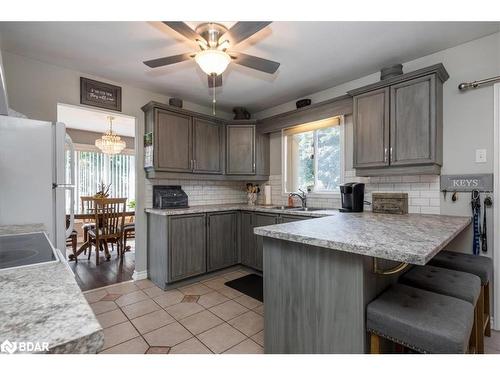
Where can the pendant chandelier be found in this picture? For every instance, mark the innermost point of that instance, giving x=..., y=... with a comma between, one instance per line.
x=110, y=143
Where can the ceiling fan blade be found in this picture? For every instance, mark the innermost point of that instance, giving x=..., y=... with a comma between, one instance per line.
x=183, y=29
x=242, y=30
x=255, y=62
x=162, y=61
x=218, y=81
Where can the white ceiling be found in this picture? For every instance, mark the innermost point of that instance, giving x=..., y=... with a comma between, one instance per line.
x=313, y=55
x=94, y=120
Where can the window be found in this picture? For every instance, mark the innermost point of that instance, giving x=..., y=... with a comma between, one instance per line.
x=314, y=156
x=93, y=167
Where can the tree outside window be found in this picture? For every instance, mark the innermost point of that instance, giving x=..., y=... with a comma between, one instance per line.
x=314, y=157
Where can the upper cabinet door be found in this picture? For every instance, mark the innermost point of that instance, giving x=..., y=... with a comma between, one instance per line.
x=371, y=129
x=207, y=147
x=413, y=121
x=240, y=149
x=173, y=142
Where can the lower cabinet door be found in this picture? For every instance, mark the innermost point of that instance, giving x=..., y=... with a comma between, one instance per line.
x=187, y=246
x=292, y=218
x=261, y=220
x=247, y=240
x=222, y=240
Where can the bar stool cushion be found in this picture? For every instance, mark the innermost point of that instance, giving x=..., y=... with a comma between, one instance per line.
x=477, y=265
x=424, y=321
x=462, y=285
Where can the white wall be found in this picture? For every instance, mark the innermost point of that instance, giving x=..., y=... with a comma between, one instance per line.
x=467, y=116
x=35, y=88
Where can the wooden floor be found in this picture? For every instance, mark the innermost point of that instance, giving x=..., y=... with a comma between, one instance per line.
x=90, y=276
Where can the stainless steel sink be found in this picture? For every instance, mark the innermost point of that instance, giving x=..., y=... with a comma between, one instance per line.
x=296, y=208
x=305, y=209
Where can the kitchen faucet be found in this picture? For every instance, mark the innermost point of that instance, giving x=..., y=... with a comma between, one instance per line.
x=303, y=198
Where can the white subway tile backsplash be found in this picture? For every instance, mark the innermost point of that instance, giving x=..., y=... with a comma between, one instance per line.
x=393, y=179
x=410, y=178
x=429, y=178
x=419, y=202
x=423, y=191
x=204, y=192
x=435, y=202
x=413, y=209
x=420, y=186
x=429, y=194
x=430, y=210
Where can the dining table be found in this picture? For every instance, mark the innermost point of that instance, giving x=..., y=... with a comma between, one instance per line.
x=87, y=216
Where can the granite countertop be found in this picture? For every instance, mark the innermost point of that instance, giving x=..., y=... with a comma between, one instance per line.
x=412, y=238
x=239, y=206
x=19, y=229
x=44, y=304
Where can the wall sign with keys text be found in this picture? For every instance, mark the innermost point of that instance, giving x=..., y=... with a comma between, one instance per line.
x=467, y=182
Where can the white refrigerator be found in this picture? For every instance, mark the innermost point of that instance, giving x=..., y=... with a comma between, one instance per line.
x=34, y=182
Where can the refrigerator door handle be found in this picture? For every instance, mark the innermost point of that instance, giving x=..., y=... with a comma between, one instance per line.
x=71, y=211
x=69, y=142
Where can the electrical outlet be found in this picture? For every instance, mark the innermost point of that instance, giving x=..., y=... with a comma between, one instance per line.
x=481, y=156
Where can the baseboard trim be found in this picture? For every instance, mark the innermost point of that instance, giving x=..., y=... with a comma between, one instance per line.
x=139, y=275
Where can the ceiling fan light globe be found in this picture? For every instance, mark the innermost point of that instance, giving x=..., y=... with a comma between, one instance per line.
x=212, y=61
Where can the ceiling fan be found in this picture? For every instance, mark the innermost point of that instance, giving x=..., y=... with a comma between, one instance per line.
x=215, y=42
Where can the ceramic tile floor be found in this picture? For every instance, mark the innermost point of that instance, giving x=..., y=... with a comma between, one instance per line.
x=204, y=317
x=492, y=344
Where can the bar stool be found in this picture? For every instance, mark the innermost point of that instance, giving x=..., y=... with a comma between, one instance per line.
x=461, y=285
x=423, y=321
x=477, y=265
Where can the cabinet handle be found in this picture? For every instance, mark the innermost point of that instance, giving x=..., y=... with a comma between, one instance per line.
x=194, y=164
x=385, y=155
x=390, y=154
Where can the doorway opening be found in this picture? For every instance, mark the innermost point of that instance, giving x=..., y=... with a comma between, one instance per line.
x=95, y=171
x=496, y=209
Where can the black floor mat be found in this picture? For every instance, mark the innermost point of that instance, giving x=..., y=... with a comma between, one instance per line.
x=251, y=285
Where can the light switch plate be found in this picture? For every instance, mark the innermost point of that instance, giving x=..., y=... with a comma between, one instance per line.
x=481, y=155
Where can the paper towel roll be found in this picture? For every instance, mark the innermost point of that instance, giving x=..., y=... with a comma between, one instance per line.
x=267, y=194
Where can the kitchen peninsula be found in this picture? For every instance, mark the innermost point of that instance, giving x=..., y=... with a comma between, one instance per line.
x=320, y=274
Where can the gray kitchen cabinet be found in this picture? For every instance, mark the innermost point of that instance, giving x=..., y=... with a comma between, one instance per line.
x=262, y=154
x=247, y=240
x=414, y=122
x=208, y=150
x=259, y=220
x=398, y=124
x=186, y=145
x=371, y=129
x=186, y=246
x=240, y=149
x=172, y=142
x=291, y=218
x=222, y=240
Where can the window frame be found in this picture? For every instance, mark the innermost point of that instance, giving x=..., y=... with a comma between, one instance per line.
x=284, y=161
x=80, y=147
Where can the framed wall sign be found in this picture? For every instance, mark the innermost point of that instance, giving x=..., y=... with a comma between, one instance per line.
x=467, y=182
x=100, y=94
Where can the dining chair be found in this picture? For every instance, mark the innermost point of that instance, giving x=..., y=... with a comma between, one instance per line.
x=109, y=218
x=87, y=206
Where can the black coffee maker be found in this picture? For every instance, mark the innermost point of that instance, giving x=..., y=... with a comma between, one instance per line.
x=353, y=196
